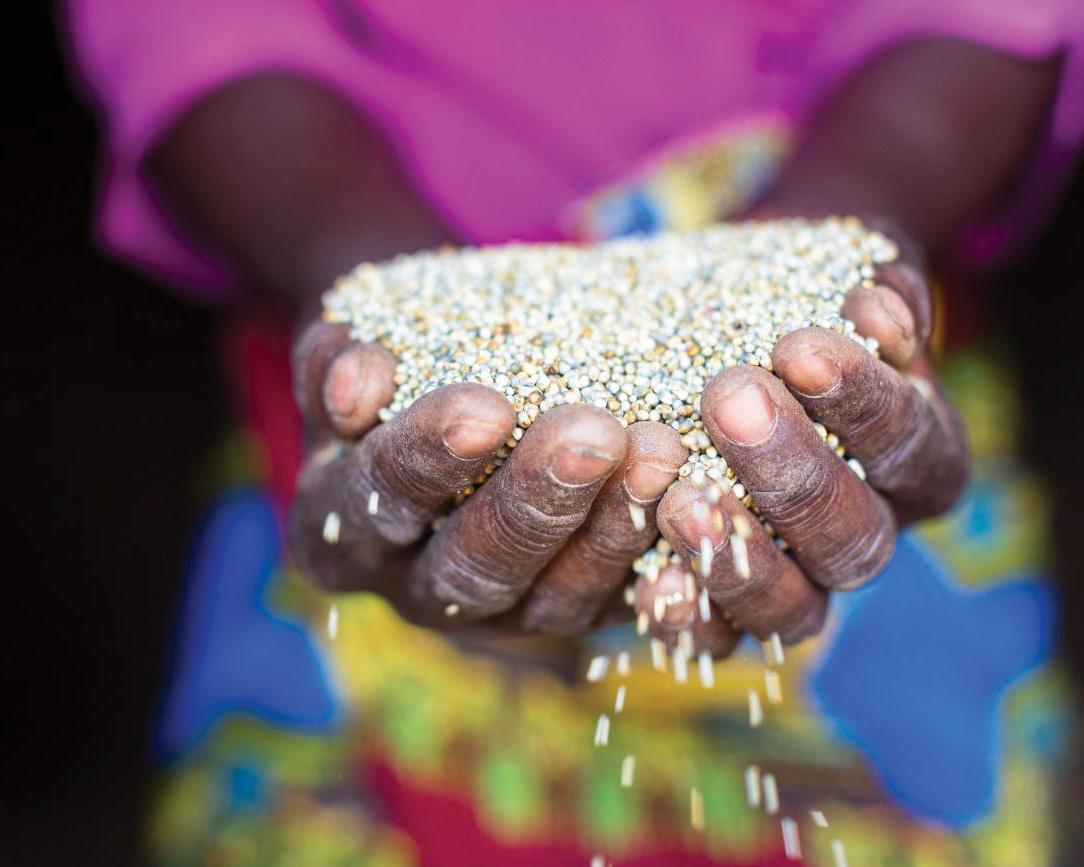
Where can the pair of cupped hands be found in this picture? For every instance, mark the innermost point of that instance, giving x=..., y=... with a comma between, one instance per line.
x=546, y=545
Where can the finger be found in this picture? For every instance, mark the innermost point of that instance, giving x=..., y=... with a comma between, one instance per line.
x=386, y=491
x=571, y=591
x=670, y=607
x=360, y=382
x=492, y=547
x=841, y=532
x=417, y=462
x=908, y=440
x=904, y=276
x=310, y=358
x=341, y=385
x=881, y=313
x=757, y=587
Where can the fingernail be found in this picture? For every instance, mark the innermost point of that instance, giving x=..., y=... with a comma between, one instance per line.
x=342, y=388
x=646, y=481
x=470, y=440
x=896, y=309
x=577, y=464
x=746, y=416
x=695, y=523
x=814, y=375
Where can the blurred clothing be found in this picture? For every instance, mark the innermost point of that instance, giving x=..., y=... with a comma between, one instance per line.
x=509, y=115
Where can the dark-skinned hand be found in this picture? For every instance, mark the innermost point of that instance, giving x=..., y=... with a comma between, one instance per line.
x=546, y=544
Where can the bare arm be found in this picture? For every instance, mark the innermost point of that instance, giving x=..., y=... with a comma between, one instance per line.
x=927, y=135
x=292, y=184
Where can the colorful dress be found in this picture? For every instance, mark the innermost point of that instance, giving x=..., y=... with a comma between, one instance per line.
x=926, y=725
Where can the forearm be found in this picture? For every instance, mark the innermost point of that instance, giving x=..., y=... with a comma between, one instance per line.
x=291, y=184
x=927, y=136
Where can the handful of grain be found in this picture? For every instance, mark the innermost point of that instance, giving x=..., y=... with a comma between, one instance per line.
x=637, y=326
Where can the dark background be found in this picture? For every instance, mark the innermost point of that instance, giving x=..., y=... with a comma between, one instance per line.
x=111, y=396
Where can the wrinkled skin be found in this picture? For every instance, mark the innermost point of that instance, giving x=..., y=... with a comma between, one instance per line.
x=546, y=545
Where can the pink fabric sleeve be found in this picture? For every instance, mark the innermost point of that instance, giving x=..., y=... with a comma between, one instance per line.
x=1032, y=29
x=144, y=63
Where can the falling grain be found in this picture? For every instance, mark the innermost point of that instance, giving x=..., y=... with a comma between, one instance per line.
x=597, y=668
x=756, y=711
x=696, y=809
x=707, y=670
x=773, y=688
x=332, y=525
x=792, y=846
x=752, y=786
x=771, y=794
x=602, y=730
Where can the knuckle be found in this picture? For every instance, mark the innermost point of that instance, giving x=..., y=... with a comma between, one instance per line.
x=396, y=520
x=518, y=523
x=811, y=491
x=801, y=621
x=531, y=528
x=477, y=582
x=860, y=557
x=609, y=549
x=551, y=613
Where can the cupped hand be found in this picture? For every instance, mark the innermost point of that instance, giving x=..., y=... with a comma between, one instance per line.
x=838, y=521
x=545, y=545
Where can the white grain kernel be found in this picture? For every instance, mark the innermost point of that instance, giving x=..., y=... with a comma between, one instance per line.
x=707, y=670
x=681, y=665
x=739, y=553
x=773, y=687
x=756, y=711
x=705, y=606
x=818, y=818
x=771, y=794
x=642, y=623
x=332, y=525
x=707, y=554
x=451, y=609
x=685, y=642
x=696, y=809
x=597, y=668
x=658, y=655
x=773, y=650
x=602, y=730
x=619, y=699
x=333, y=622
x=639, y=519
x=792, y=846
x=628, y=770
x=752, y=786
x=857, y=467
x=623, y=666
x=839, y=854
x=374, y=502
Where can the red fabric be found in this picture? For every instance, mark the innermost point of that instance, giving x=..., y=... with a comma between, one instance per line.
x=448, y=834
x=256, y=358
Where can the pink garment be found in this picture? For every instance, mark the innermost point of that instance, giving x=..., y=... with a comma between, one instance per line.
x=507, y=111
